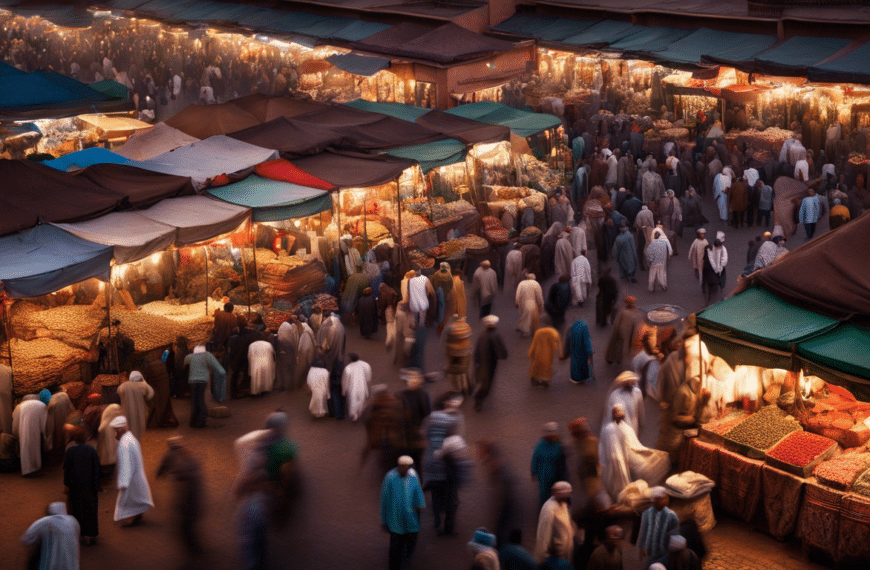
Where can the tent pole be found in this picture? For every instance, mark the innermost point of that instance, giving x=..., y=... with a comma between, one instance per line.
x=247, y=288
x=109, y=313
x=207, y=294
x=8, y=339
x=399, y=211
x=252, y=235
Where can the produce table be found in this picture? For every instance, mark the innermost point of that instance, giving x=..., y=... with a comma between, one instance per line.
x=824, y=518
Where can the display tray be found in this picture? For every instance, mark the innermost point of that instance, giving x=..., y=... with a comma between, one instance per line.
x=807, y=469
x=743, y=449
x=716, y=436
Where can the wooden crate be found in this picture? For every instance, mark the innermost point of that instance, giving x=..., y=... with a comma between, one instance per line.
x=807, y=469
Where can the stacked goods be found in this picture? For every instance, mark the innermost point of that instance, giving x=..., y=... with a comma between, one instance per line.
x=842, y=472
x=770, y=139
x=759, y=432
x=291, y=260
x=76, y=325
x=536, y=174
x=177, y=312
x=474, y=244
x=662, y=125
x=274, y=317
x=457, y=207
x=494, y=230
x=436, y=251
x=264, y=256
x=530, y=234
x=862, y=484
x=800, y=452
x=453, y=248
x=412, y=224
x=41, y=362
x=150, y=331
x=420, y=259
x=536, y=202
x=714, y=430
x=361, y=226
x=298, y=280
x=841, y=420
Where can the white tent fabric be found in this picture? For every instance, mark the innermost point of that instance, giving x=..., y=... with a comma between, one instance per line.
x=154, y=142
x=209, y=158
x=133, y=236
x=197, y=218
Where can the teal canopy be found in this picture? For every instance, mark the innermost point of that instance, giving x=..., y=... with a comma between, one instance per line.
x=713, y=45
x=548, y=28
x=87, y=157
x=851, y=68
x=359, y=64
x=272, y=200
x=433, y=154
x=647, y=39
x=111, y=89
x=44, y=89
x=408, y=113
x=844, y=349
x=521, y=123
x=601, y=34
x=798, y=53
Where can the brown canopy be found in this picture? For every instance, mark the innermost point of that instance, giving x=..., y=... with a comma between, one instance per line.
x=788, y=190
x=445, y=44
x=364, y=130
x=829, y=274
x=266, y=108
x=203, y=121
x=290, y=138
x=468, y=131
x=140, y=188
x=352, y=169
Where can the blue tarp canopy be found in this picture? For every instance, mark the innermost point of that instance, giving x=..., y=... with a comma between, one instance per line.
x=716, y=45
x=44, y=89
x=87, y=157
x=272, y=200
x=521, y=123
x=434, y=154
x=359, y=64
x=45, y=259
x=798, y=53
x=851, y=68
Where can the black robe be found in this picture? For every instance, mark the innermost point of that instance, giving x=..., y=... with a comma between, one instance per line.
x=489, y=350
x=81, y=474
x=367, y=315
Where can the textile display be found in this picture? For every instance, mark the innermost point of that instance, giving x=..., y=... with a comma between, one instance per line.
x=819, y=519
x=854, y=536
x=782, y=500
x=739, y=484
x=700, y=457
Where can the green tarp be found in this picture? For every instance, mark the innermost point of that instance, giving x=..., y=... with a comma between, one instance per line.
x=272, y=200
x=647, y=39
x=798, y=53
x=111, y=89
x=759, y=316
x=716, y=45
x=846, y=349
x=549, y=28
x=433, y=154
x=601, y=34
x=851, y=68
x=359, y=64
x=521, y=123
x=408, y=113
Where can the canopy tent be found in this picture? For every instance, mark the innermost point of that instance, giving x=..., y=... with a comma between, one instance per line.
x=540, y=26
x=87, y=157
x=757, y=327
x=346, y=169
x=795, y=55
x=842, y=350
x=788, y=194
x=445, y=44
x=647, y=39
x=408, y=113
x=272, y=200
x=208, y=158
x=111, y=89
x=849, y=68
x=139, y=188
x=285, y=171
x=148, y=144
x=6, y=69
x=132, y=235
x=203, y=121
x=115, y=127
x=266, y=108
x=34, y=192
x=600, y=34
x=522, y=123
x=718, y=46
x=197, y=218
x=44, y=89
x=434, y=154
x=364, y=130
x=837, y=255
x=45, y=259
x=290, y=138
x=359, y=64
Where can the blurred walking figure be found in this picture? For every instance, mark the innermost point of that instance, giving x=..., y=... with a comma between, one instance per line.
x=203, y=366
x=81, y=477
x=318, y=383
x=578, y=345
x=440, y=425
x=546, y=345
x=134, y=393
x=355, y=386
x=489, y=350
x=134, y=495
x=56, y=536
x=503, y=484
x=383, y=421
x=416, y=407
x=457, y=367
x=530, y=302
x=555, y=528
x=484, y=286
x=608, y=291
x=548, y=461
x=28, y=425
x=401, y=503
x=181, y=464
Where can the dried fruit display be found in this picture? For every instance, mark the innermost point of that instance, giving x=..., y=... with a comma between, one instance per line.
x=474, y=242
x=862, y=484
x=453, y=248
x=801, y=448
x=150, y=331
x=39, y=362
x=841, y=472
x=726, y=423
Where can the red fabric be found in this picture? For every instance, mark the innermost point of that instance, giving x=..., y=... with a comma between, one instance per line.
x=700, y=457
x=285, y=171
x=739, y=484
x=854, y=535
x=782, y=500
x=819, y=519
x=219, y=180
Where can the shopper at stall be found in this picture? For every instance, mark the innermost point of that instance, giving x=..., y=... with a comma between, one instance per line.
x=738, y=202
x=657, y=525
x=134, y=394
x=556, y=530
x=529, y=300
x=657, y=254
x=645, y=365
x=224, y=324
x=203, y=366
x=683, y=411
x=624, y=459
x=56, y=535
x=134, y=494
x=715, y=262
x=619, y=348
x=331, y=339
x=285, y=354
x=484, y=286
x=107, y=445
x=81, y=478
x=261, y=367
x=28, y=425
x=546, y=346
x=59, y=407
x=367, y=314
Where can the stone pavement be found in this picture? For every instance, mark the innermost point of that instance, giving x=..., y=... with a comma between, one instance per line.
x=335, y=524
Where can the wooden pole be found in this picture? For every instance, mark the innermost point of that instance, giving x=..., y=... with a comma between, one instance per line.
x=399, y=211
x=207, y=293
x=8, y=339
x=247, y=287
x=253, y=238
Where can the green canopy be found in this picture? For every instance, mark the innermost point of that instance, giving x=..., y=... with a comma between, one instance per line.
x=549, y=28
x=432, y=154
x=272, y=200
x=647, y=38
x=714, y=45
x=357, y=64
x=798, y=53
x=602, y=33
x=521, y=123
x=396, y=110
x=851, y=68
x=845, y=349
x=112, y=89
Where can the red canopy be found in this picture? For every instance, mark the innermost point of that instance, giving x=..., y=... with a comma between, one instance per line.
x=285, y=171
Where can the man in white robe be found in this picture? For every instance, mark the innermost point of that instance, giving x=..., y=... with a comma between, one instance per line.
x=578, y=239
x=5, y=399
x=134, y=494
x=484, y=286
x=355, y=386
x=331, y=339
x=697, y=251
x=57, y=537
x=513, y=270
x=530, y=302
x=564, y=256
x=418, y=290
x=261, y=366
x=28, y=425
x=107, y=445
x=556, y=530
x=721, y=184
x=581, y=279
x=626, y=394
x=318, y=383
x=134, y=394
x=624, y=459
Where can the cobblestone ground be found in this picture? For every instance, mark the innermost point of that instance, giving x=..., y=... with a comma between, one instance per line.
x=335, y=523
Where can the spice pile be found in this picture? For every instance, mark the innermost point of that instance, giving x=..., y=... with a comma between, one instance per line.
x=39, y=362
x=474, y=243
x=841, y=472
x=726, y=423
x=763, y=429
x=530, y=232
x=453, y=248
x=800, y=448
x=494, y=230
